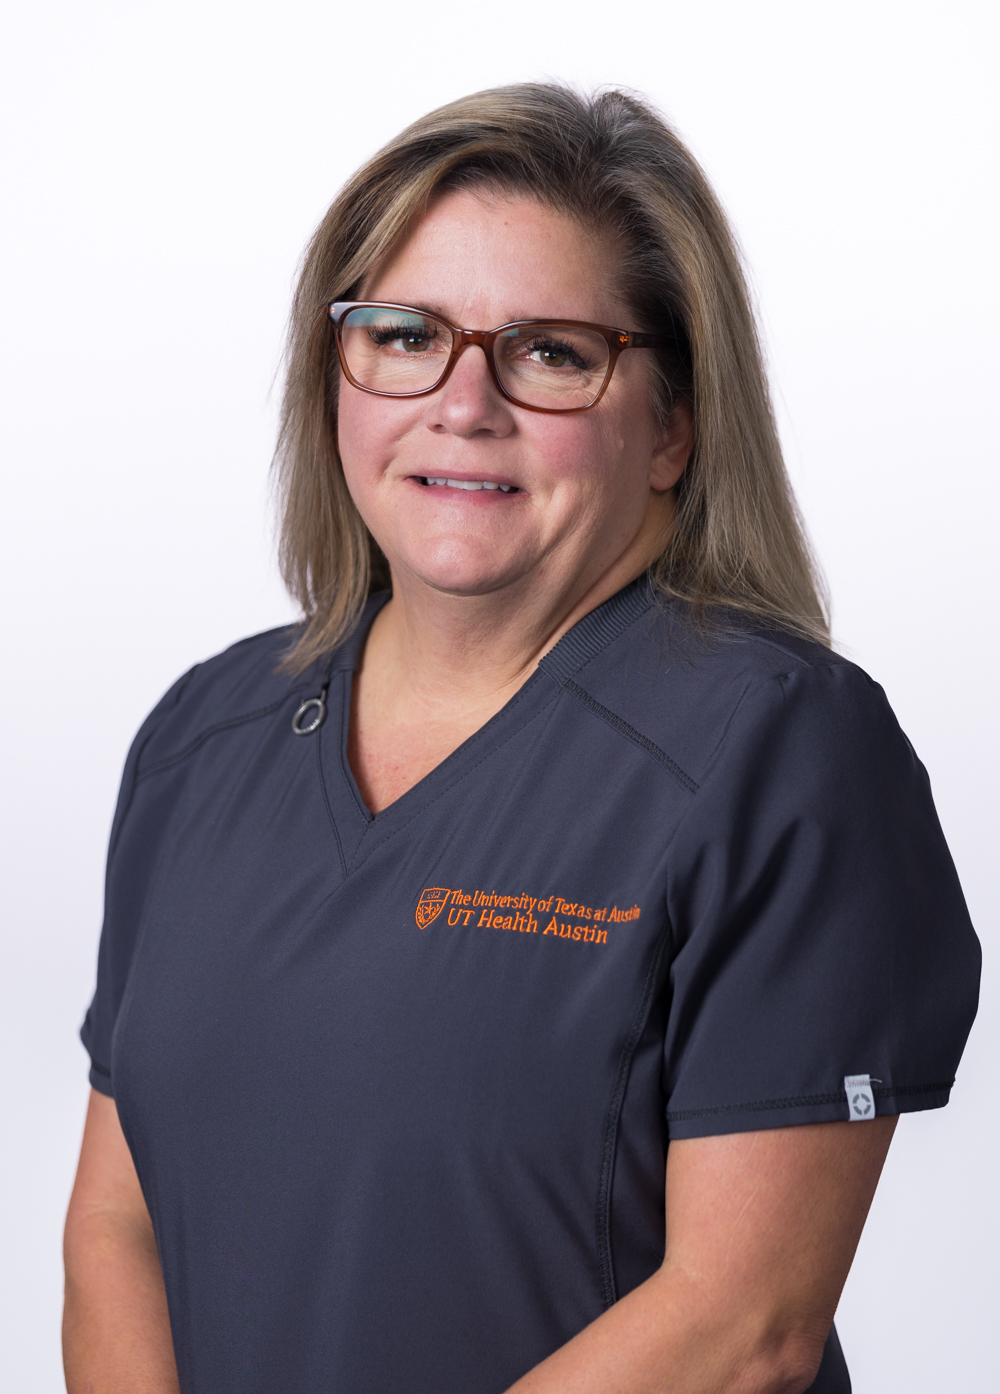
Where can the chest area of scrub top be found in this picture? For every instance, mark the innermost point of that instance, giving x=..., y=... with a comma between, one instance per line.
x=499, y=936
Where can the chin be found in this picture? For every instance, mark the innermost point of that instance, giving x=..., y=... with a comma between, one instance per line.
x=462, y=570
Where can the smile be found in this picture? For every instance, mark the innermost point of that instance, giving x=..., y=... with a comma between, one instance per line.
x=471, y=484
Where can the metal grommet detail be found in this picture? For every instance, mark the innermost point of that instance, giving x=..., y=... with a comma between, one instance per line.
x=319, y=703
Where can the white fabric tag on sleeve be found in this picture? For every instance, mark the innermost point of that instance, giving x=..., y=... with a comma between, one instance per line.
x=860, y=1097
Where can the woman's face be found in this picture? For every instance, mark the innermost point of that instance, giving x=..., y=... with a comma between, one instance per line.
x=582, y=487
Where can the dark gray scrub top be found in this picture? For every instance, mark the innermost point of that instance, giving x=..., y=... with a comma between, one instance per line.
x=399, y=1089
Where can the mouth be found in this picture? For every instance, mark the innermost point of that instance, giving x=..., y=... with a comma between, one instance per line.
x=469, y=485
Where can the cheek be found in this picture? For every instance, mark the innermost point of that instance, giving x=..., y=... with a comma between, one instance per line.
x=368, y=433
x=602, y=459
x=357, y=432
x=576, y=448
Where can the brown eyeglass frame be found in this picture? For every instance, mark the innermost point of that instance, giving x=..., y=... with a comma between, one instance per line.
x=617, y=340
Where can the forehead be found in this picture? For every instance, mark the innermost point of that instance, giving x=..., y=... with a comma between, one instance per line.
x=502, y=257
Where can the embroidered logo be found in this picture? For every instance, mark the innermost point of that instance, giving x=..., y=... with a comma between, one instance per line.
x=490, y=910
x=431, y=903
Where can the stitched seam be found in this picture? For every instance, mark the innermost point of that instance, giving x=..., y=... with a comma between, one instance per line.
x=326, y=798
x=608, y=1286
x=203, y=736
x=119, y=823
x=344, y=772
x=630, y=733
x=743, y=637
x=835, y=1096
x=805, y=662
x=780, y=648
x=99, y=1068
x=116, y=834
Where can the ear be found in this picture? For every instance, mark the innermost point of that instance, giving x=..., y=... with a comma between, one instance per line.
x=673, y=448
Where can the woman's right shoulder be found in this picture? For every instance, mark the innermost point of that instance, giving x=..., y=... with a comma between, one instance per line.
x=243, y=681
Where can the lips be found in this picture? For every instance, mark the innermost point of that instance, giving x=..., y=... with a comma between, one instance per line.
x=470, y=485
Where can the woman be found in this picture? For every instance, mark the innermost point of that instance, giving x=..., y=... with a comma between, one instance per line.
x=556, y=833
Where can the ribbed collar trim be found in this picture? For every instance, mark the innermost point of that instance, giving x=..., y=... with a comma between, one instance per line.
x=582, y=643
x=597, y=630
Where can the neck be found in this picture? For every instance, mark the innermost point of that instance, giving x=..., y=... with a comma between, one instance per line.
x=476, y=650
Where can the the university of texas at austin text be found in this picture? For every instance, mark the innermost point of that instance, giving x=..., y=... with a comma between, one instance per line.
x=522, y=914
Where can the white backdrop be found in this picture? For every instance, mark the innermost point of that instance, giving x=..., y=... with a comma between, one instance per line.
x=164, y=165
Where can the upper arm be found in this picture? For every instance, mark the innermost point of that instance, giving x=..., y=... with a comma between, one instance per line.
x=116, y=1327
x=106, y=1185
x=768, y=1222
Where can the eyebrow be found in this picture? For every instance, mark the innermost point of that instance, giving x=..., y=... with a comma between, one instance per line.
x=428, y=307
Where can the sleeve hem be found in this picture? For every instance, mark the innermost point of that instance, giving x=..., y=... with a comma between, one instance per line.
x=100, y=1079
x=807, y=1108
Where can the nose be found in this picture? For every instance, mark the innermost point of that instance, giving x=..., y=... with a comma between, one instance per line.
x=468, y=403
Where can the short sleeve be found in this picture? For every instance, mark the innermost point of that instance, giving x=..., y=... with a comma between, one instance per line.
x=818, y=926
x=132, y=852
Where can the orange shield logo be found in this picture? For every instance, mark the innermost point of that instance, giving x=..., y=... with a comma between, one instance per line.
x=430, y=905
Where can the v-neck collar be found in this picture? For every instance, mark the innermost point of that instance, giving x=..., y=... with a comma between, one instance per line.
x=359, y=830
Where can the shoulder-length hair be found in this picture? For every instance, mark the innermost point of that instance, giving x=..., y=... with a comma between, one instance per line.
x=738, y=544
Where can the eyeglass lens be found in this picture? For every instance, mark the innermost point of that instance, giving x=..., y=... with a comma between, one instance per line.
x=558, y=366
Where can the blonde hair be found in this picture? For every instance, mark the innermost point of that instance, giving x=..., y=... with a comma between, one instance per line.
x=611, y=161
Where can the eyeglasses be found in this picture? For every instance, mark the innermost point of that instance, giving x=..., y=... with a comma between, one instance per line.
x=544, y=365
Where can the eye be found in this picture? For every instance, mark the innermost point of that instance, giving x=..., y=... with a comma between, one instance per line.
x=554, y=353
x=403, y=337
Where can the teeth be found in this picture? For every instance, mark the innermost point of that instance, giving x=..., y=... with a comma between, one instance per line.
x=471, y=484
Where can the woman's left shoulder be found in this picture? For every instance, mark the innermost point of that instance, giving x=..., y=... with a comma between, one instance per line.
x=800, y=673
x=808, y=710
x=705, y=695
